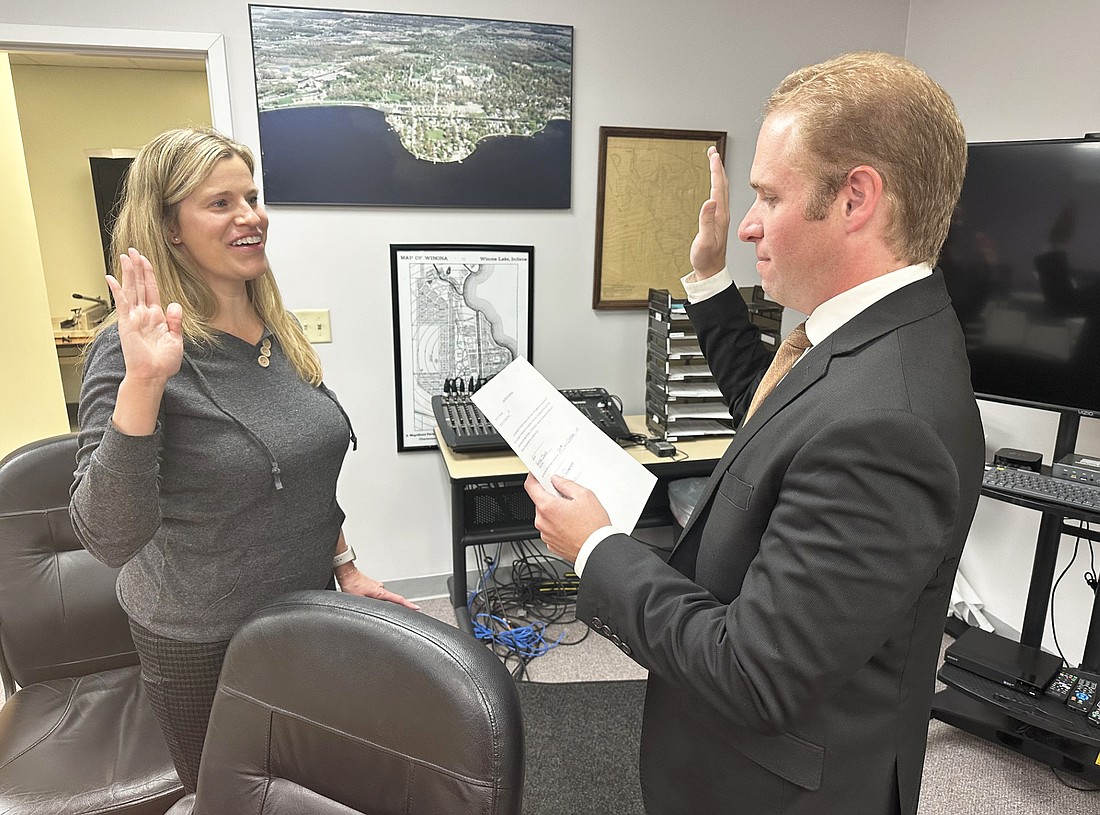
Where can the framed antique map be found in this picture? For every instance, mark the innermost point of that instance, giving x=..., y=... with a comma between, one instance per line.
x=460, y=313
x=650, y=188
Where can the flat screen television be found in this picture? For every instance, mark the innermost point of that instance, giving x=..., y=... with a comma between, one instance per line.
x=1022, y=265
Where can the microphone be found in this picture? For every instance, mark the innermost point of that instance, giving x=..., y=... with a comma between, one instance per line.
x=99, y=300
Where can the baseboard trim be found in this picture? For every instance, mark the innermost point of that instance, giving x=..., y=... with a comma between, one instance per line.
x=432, y=586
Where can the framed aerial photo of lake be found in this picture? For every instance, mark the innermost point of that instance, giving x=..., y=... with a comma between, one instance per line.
x=460, y=314
x=651, y=185
x=384, y=109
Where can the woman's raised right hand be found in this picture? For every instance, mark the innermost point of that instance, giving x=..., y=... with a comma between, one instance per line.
x=151, y=337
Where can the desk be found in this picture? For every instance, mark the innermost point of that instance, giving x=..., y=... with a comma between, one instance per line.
x=70, y=343
x=489, y=504
x=72, y=338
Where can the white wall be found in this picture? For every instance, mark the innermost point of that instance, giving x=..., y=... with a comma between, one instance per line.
x=1018, y=70
x=640, y=63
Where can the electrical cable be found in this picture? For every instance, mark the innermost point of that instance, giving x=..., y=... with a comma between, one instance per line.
x=1054, y=592
x=1090, y=580
x=515, y=618
x=1090, y=576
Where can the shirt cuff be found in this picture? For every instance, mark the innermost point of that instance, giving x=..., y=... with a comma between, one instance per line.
x=698, y=290
x=132, y=455
x=596, y=538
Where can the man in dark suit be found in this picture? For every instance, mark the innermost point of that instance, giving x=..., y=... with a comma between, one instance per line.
x=792, y=637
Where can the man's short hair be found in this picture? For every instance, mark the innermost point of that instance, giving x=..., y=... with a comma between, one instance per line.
x=881, y=110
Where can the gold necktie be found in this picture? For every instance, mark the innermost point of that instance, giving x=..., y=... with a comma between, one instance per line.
x=789, y=350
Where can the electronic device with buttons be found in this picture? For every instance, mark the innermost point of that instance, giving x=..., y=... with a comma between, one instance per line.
x=1094, y=715
x=1082, y=699
x=1084, y=469
x=1061, y=685
x=602, y=409
x=466, y=430
x=1077, y=689
x=1020, y=667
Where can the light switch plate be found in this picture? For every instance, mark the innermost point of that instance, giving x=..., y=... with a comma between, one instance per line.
x=315, y=322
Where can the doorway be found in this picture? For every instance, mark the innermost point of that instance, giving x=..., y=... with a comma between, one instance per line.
x=61, y=54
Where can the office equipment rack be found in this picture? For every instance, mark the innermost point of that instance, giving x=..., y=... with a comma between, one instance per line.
x=682, y=399
x=1011, y=718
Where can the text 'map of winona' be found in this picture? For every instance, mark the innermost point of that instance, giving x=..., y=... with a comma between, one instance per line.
x=552, y=437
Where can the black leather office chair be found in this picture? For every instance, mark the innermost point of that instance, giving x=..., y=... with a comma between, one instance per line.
x=79, y=735
x=331, y=704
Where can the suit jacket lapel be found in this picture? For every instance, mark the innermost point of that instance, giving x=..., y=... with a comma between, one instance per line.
x=920, y=299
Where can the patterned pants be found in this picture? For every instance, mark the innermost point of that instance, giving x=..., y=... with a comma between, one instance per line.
x=180, y=679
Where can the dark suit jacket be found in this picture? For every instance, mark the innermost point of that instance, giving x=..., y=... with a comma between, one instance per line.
x=792, y=638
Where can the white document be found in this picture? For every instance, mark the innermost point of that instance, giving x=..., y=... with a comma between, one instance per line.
x=552, y=437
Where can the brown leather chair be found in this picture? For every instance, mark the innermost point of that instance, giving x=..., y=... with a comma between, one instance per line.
x=78, y=736
x=331, y=704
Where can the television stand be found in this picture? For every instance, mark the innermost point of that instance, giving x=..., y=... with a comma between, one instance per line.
x=1039, y=728
x=1011, y=724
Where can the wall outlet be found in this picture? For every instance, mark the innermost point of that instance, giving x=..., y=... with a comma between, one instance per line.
x=315, y=322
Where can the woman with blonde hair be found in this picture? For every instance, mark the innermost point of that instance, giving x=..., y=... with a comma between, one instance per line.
x=210, y=447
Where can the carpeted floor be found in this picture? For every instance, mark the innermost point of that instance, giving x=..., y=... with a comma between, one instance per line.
x=582, y=747
x=582, y=742
x=583, y=735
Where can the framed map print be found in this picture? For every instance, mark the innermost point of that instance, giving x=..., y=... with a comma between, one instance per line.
x=460, y=313
x=650, y=188
x=385, y=109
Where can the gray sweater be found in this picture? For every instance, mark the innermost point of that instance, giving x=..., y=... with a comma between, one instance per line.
x=232, y=500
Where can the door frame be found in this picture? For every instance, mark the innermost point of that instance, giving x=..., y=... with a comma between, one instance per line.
x=134, y=43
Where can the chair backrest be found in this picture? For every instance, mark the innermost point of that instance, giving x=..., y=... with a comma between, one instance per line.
x=330, y=703
x=59, y=616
